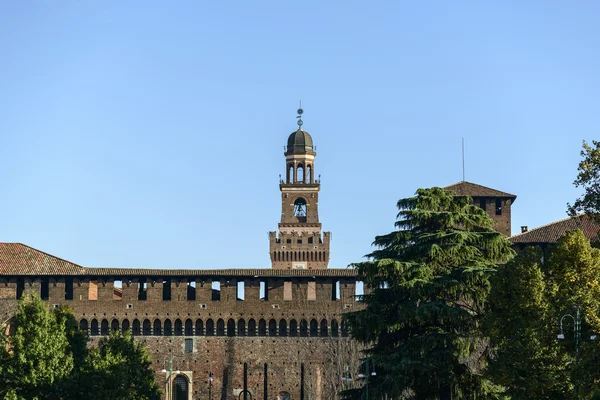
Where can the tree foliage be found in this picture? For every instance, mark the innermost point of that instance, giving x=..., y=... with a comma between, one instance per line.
x=47, y=358
x=428, y=283
x=529, y=296
x=588, y=179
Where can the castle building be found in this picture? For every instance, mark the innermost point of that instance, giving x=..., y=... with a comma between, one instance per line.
x=282, y=324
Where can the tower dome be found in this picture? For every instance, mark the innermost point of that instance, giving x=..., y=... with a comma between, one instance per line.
x=300, y=142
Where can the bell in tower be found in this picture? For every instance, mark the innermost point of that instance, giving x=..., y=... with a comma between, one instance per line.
x=299, y=243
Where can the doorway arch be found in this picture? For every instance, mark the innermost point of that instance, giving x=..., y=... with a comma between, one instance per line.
x=180, y=388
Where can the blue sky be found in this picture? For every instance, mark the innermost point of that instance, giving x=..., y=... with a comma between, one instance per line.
x=150, y=134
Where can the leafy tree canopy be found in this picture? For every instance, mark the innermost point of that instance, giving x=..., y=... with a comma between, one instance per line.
x=588, y=179
x=428, y=283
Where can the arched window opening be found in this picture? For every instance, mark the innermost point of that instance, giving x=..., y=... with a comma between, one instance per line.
x=319, y=253
x=167, y=328
x=284, y=396
x=251, y=327
x=308, y=174
x=210, y=327
x=300, y=173
x=334, y=328
x=180, y=388
x=272, y=328
x=324, y=332
x=188, y=327
x=104, y=327
x=83, y=325
x=94, y=327
x=290, y=174
x=136, y=327
x=283, y=327
x=220, y=327
x=300, y=209
x=199, y=327
x=303, y=328
x=344, y=329
x=231, y=327
x=262, y=328
x=146, y=328
x=314, y=327
x=156, y=331
x=241, y=325
x=125, y=325
x=293, y=328
x=178, y=327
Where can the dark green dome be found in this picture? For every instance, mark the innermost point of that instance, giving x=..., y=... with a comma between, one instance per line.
x=299, y=142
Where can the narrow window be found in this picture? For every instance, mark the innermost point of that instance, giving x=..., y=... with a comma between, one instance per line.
x=312, y=290
x=94, y=327
x=482, y=203
x=167, y=328
x=136, y=327
x=359, y=290
x=167, y=289
x=178, y=327
x=498, y=206
x=300, y=173
x=241, y=327
x=304, y=328
x=191, y=290
x=220, y=327
x=118, y=290
x=240, y=291
x=287, y=290
x=283, y=327
x=199, y=327
x=142, y=292
x=188, y=327
x=20, y=287
x=216, y=291
x=324, y=331
x=263, y=293
x=272, y=328
x=293, y=328
x=251, y=327
x=125, y=325
x=310, y=240
x=334, y=328
x=231, y=327
x=69, y=288
x=114, y=325
x=262, y=328
x=210, y=327
x=45, y=290
x=157, y=331
x=189, y=345
x=104, y=327
x=314, y=327
x=83, y=325
x=335, y=290
x=146, y=328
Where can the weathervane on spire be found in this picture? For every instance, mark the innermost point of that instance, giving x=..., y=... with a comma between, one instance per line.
x=300, y=112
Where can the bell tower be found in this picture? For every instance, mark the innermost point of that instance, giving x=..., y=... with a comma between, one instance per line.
x=299, y=244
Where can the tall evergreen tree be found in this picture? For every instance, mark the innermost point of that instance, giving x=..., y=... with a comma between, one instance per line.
x=428, y=284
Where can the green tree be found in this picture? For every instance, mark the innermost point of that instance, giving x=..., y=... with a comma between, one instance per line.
x=120, y=369
x=522, y=326
x=428, y=283
x=38, y=356
x=588, y=179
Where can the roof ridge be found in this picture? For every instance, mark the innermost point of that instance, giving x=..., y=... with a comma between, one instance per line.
x=547, y=225
x=49, y=255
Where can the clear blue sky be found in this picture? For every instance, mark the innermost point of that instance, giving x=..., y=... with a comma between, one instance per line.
x=150, y=134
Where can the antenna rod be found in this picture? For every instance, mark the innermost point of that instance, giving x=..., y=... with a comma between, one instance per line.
x=463, y=158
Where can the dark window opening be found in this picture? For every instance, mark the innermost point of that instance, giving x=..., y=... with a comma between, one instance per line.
x=142, y=292
x=220, y=327
x=241, y=327
x=147, y=331
x=20, y=287
x=199, y=327
x=167, y=329
x=293, y=328
x=216, y=291
x=334, y=328
x=283, y=327
x=167, y=289
x=136, y=328
x=482, y=203
x=299, y=241
x=178, y=327
x=45, y=290
x=251, y=327
x=498, y=206
x=314, y=328
x=262, y=328
x=189, y=345
x=324, y=331
x=68, y=288
x=104, y=328
x=191, y=290
x=157, y=331
x=94, y=328
x=210, y=327
x=125, y=325
x=304, y=328
x=272, y=328
x=83, y=325
x=180, y=388
x=231, y=327
x=310, y=240
x=288, y=241
x=189, y=331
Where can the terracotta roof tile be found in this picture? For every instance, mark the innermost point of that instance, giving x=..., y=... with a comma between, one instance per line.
x=465, y=188
x=19, y=259
x=551, y=232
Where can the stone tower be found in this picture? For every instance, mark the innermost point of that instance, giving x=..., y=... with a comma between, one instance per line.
x=299, y=244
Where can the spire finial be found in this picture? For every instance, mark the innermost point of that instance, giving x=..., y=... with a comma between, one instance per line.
x=300, y=112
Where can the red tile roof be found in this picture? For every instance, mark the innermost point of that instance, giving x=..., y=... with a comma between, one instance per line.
x=551, y=232
x=465, y=188
x=18, y=259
